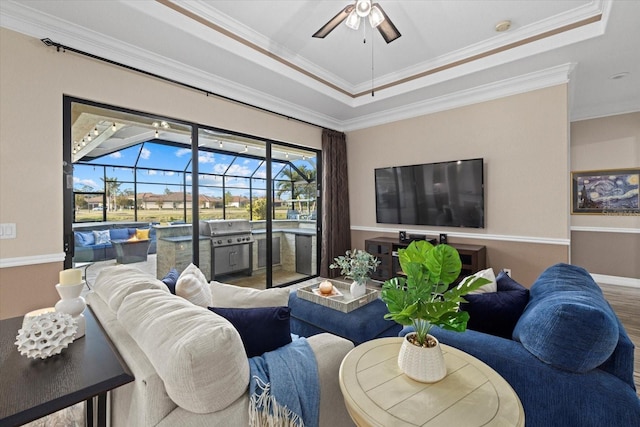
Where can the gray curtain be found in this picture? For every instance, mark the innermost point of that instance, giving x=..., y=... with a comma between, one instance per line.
x=336, y=227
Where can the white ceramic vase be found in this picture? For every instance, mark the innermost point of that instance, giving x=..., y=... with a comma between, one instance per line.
x=420, y=363
x=358, y=289
x=72, y=303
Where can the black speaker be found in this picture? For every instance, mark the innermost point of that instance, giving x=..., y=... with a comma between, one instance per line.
x=403, y=236
x=443, y=238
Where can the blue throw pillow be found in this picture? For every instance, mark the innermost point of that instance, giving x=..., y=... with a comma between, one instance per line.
x=119, y=234
x=84, y=238
x=171, y=279
x=262, y=329
x=568, y=323
x=497, y=313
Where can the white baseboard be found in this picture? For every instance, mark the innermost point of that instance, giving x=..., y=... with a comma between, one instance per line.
x=616, y=280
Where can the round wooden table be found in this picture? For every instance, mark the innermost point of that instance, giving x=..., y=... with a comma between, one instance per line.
x=377, y=393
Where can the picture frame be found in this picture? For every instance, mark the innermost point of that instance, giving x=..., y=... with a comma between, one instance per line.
x=606, y=192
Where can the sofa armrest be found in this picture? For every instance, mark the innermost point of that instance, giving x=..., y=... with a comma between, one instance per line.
x=550, y=396
x=329, y=351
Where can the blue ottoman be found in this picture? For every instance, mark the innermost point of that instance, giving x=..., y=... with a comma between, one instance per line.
x=362, y=324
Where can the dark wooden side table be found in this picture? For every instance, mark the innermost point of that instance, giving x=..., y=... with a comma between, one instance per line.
x=31, y=389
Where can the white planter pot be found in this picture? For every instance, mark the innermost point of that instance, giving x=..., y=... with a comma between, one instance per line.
x=422, y=364
x=357, y=289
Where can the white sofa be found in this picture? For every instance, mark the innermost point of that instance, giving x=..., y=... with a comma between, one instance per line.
x=189, y=364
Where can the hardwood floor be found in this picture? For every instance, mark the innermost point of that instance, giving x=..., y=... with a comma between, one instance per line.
x=625, y=302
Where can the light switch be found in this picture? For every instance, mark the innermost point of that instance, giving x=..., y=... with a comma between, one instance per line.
x=7, y=231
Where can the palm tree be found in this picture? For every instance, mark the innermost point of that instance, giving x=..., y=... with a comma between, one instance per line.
x=300, y=182
x=112, y=187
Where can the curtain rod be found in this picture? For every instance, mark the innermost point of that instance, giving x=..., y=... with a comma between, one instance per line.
x=64, y=48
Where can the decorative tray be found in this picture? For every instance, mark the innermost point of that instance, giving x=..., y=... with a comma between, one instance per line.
x=340, y=300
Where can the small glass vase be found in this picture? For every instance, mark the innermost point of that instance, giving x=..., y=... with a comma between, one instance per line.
x=72, y=303
x=358, y=289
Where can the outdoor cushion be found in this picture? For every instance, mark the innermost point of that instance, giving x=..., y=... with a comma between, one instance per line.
x=262, y=329
x=142, y=234
x=194, y=351
x=84, y=238
x=568, y=324
x=119, y=233
x=102, y=237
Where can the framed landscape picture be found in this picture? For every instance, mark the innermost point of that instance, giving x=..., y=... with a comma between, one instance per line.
x=606, y=192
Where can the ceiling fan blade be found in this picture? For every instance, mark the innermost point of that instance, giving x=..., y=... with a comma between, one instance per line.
x=388, y=31
x=334, y=22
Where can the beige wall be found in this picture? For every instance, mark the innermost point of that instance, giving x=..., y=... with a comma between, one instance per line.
x=33, y=80
x=524, y=142
x=606, y=244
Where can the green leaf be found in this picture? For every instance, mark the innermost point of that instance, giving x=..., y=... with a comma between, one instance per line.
x=443, y=263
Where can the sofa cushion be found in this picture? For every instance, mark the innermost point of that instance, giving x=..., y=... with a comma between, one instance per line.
x=193, y=286
x=497, y=313
x=489, y=287
x=223, y=295
x=84, y=238
x=119, y=234
x=198, y=354
x=101, y=237
x=171, y=279
x=114, y=283
x=568, y=324
x=262, y=329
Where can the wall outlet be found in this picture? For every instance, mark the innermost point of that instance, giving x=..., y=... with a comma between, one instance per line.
x=508, y=271
x=7, y=231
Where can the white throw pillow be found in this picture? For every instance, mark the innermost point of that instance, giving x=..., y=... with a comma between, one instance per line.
x=198, y=354
x=492, y=286
x=231, y=296
x=193, y=286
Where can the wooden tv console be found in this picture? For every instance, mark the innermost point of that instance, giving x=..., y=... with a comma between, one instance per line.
x=473, y=257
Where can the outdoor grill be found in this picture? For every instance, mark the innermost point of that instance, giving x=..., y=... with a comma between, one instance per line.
x=231, y=242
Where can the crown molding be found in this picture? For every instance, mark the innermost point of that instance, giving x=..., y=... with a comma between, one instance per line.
x=533, y=81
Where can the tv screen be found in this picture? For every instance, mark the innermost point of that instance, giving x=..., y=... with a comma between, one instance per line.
x=447, y=194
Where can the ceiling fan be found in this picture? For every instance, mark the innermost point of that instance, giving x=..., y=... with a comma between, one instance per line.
x=354, y=13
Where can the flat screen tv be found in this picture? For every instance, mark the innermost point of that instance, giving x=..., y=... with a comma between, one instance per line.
x=447, y=194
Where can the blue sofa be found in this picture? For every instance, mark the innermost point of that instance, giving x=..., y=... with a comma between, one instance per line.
x=88, y=249
x=569, y=358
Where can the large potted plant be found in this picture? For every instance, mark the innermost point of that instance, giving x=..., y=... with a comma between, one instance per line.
x=356, y=265
x=423, y=299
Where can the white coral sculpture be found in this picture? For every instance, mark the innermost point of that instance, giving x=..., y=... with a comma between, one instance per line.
x=46, y=335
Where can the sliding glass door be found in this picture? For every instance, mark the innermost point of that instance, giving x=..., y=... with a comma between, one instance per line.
x=134, y=194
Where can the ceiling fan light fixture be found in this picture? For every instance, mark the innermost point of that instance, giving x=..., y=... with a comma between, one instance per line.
x=375, y=17
x=353, y=20
x=363, y=7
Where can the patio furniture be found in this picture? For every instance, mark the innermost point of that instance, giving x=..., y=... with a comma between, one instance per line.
x=130, y=251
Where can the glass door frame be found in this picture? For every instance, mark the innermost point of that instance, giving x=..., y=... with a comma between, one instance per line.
x=68, y=187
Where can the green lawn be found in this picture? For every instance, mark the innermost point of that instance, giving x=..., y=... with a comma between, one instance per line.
x=164, y=216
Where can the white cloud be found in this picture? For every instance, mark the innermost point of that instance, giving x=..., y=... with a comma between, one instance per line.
x=89, y=182
x=115, y=155
x=145, y=153
x=183, y=152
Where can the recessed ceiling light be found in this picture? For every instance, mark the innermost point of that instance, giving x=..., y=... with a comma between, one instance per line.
x=619, y=76
x=503, y=26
